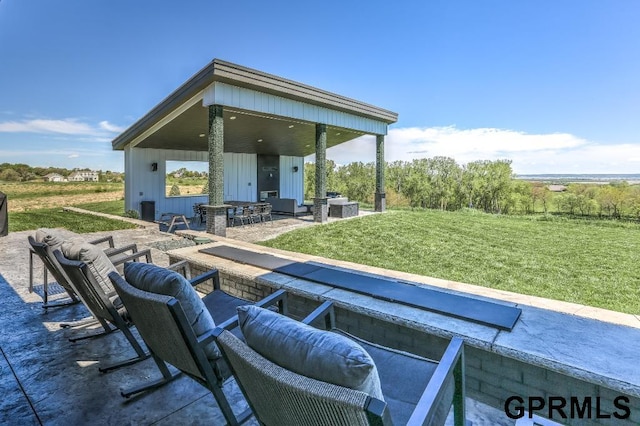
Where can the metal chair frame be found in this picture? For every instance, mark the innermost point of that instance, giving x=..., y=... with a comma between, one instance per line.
x=336, y=402
x=187, y=351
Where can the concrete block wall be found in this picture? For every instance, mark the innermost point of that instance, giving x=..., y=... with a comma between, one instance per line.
x=491, y=378
x=247, y=288
x=391, y=335
x=235, y=285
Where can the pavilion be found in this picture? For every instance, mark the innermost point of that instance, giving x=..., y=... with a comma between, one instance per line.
x=254, y=129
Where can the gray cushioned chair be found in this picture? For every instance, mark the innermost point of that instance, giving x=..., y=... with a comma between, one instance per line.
x=44, y=252
x=177, y=335
x=47, y=240
x=416, y=391
x=102, y=303
x=86, y=268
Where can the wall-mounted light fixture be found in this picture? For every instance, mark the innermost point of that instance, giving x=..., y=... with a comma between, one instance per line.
x=154, y=167
x=295, y=169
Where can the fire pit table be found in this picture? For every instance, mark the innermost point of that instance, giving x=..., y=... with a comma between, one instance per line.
x=344, y=209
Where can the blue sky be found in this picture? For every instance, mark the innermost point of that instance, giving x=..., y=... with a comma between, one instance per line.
x=552, y=85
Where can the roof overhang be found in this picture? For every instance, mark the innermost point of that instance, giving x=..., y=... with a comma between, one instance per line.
x=263, y=113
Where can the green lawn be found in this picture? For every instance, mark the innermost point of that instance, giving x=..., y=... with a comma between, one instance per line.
x=588, y=262
x=41, y=190
x=76, y=222
x=109, y=207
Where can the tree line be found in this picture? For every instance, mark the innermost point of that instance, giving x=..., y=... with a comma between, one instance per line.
x=489, y=186
x=183, y=172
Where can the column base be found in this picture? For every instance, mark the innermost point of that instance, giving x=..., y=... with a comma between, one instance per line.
x=320, y=210
x=217, y=220
x=381, y=202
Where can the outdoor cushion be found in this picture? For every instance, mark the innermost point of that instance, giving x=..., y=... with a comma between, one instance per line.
x=154, y=279
x=318, y=354
x=97, y=261
x=50, y=237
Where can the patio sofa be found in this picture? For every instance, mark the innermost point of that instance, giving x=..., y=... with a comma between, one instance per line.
x=286, y=206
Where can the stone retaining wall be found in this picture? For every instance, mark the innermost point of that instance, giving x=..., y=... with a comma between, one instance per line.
x=491, y=377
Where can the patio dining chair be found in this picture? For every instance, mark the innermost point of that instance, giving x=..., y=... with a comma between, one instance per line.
x=197, y=214
x=177, y=327
x=265, y=212
x=255, y=210
x=294, y=374
x=246, y=213
x=232, y=214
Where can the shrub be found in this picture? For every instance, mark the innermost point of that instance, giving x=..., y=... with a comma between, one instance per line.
x=175, y=190
x=132, y=214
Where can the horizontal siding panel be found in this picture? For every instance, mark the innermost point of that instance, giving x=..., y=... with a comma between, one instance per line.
x=251, y=100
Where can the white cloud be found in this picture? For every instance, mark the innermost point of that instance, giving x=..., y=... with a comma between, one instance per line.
x=73, y=156
x=105, y=125
x=68, y=126
x=530, y=153
x=441, y=140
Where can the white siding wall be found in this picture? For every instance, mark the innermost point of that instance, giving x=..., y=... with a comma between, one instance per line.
x=252, y=100
x=292, y=183
x=142, y=184
x=147, y=185
x=240, y=177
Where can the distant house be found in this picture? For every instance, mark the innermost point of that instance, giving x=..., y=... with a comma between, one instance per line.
x=557, y=188
x=83, y=176
x=53, y=177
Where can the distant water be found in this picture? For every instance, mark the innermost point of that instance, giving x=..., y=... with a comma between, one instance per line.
x=594, y=178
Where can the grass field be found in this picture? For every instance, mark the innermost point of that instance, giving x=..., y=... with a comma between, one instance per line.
x=57, y=218
x=188, y=186
x=591, y=262
x=110, y=207
x=34, y=205
x=588, y=262
x=26, y=196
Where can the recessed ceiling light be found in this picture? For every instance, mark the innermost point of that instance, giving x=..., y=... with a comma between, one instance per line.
x=259, y=140
x=233, y=117
x=202, y=135
x=291, y=126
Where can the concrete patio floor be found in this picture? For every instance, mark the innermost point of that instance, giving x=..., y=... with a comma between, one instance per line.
x=47, y=380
